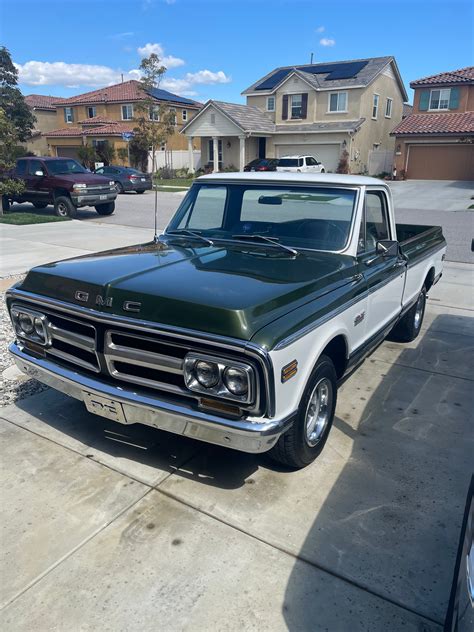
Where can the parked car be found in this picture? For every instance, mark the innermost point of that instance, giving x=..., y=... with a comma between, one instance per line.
x=238, y=323
x=262, y=164
x=303, y=164
x=62, y=182
x=127, y=179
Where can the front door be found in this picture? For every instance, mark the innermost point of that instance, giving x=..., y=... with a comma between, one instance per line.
x=262, y=147
x=35, y=183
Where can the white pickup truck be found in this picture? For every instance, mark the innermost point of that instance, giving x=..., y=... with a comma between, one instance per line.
x=237, y=324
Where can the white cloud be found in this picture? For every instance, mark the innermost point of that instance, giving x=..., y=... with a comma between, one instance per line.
x=122, y=35
x=167, y=60
x=202, y=77
x=325, y=41
x=320, y=29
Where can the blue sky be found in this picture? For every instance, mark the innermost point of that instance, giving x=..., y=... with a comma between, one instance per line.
x=217, y=48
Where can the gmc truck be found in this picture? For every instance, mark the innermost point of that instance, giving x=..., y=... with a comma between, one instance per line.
x=62, y=182
x=238, y=323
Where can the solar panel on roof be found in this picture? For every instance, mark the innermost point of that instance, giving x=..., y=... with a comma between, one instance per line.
x=345, y=70
x=164, y=95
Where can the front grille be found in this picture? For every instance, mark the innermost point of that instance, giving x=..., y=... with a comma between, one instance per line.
x=98, y=189
x=73, y=341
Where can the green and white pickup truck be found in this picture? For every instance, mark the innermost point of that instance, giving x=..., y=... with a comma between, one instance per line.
x=237, y=324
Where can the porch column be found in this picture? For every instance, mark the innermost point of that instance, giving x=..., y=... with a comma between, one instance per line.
x=215, y=150
x=242, y=153
x=190, y=154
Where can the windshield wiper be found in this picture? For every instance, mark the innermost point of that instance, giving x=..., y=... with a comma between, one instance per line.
x=270, y=240
x=189, y=233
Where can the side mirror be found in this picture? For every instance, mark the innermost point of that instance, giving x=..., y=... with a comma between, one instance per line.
x=387, y=248
x=38, y=172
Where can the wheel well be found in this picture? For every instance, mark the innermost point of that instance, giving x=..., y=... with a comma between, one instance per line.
x=60, y=192
x=337, y=351
x=429, y=279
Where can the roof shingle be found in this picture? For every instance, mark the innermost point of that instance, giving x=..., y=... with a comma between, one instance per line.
x=444, y=123
x=42, y=101
x=461, y=76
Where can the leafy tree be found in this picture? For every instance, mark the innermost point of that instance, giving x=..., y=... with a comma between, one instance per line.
x=106, y=152
x=122, y=154
x=87, y=155
x=8, y=155
x=12, y=101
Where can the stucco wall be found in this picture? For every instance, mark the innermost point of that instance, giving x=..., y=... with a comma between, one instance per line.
x=295, y=85
x=353, y=106
x=45, y=122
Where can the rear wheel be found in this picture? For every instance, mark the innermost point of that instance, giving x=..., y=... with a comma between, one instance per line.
x=40, y=204
x=140, y=192
x=323, y=170
x=410, y=325
x=5, y=203
x=105, y=209
x=304, y=441
x=63, y=207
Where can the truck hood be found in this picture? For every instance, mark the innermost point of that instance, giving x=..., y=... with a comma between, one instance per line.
x=90, y=179
x=233, y=290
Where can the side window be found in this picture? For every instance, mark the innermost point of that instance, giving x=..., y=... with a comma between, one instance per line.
x=35, y=165
x=376, y=219
x=301, y=162
x=207, y=210
x=21, y=166
x=101, y=170
x=311, y=161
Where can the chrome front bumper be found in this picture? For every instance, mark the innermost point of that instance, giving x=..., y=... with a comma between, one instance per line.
x=243, y=435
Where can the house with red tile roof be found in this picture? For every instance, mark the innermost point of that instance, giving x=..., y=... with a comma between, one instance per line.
x=436, y=141
x=45, y=114
x=108, y=113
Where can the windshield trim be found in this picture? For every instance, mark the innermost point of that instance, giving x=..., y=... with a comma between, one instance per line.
x=193, y=191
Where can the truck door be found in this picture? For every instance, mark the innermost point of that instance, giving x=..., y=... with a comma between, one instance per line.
x=385, y=275
x=35, y=177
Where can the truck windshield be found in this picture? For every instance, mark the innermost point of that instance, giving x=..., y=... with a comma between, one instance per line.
x=56, y=167
x=317, y=218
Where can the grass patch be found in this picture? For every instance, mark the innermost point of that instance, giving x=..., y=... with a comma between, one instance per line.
x=174, y=182
x=20, y=219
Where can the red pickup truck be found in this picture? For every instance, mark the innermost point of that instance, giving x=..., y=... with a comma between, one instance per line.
x=62, y=182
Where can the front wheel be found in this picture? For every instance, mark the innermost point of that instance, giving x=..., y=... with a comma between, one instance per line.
x=408, y=328
x=5, y=203
x=105, y=209
x=304, y=441
x=140, y=192
x=323, y=171
x=63, y=207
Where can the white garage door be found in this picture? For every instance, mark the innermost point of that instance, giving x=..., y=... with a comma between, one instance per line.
x=327, y=154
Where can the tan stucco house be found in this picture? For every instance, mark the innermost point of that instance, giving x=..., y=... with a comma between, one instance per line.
x=436, y=140
x=315, y=109
x=108, y=113
x=45, y=114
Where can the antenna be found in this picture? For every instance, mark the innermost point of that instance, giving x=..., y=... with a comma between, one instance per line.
x=122, y=76
x=311, y=58
x=155, y=187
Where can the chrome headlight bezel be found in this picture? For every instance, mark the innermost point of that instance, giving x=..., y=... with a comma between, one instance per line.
x=220, y=390
x=39, y=323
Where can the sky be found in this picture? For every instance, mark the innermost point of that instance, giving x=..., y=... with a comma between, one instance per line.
x=217, y=48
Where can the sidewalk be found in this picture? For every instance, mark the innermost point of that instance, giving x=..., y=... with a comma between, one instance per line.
x=23, y=247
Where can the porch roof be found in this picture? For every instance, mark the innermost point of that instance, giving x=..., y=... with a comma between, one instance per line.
x=246, y=118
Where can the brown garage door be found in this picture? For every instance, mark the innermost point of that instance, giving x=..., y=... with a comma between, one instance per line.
x=441, y=162
x=68, y=152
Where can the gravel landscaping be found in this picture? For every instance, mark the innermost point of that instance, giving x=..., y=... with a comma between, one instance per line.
x=12, y=388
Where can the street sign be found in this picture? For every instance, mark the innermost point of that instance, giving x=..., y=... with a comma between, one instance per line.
x=127, y=135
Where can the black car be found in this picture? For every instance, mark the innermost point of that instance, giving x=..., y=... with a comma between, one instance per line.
x=126, y=178
x=262, y=164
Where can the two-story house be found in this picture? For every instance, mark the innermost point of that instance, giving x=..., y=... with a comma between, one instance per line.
x=436, y=141
x=314, y=109
x=108, y=114
x=44, y=111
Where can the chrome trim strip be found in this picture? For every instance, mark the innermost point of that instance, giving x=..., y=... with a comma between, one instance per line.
x=244, y=435
x=132, y=355
x=63, y=355
x=78, y=340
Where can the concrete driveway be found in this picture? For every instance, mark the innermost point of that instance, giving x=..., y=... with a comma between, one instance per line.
x=108, y=527
x=433, y=195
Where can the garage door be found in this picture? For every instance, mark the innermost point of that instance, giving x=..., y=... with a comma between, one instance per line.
x=327, y=154
x=441, y=162
x=68, y=152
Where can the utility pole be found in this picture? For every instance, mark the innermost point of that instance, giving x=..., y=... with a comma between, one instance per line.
x=311, y=58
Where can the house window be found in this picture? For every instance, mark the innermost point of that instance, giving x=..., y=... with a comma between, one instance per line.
x=388, y=108
x=184, y=115
x=154, y=113
x=69, y=115
x=375, y=106
x=270, y=104
x=338, y=102
x=439, y=99
x=211, y=152
x=127, y=112
x=296, y=105
x=91, y=111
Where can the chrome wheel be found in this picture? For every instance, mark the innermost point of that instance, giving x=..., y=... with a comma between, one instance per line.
x=62, y=209
x=420, y=305
x=318, y=411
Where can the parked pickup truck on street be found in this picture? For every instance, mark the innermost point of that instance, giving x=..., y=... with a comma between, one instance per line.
x=62, y=182
x=237, y=324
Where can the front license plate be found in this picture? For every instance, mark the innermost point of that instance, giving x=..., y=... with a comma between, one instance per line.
x=104, y=407
x=143, y=179
x=102, y=197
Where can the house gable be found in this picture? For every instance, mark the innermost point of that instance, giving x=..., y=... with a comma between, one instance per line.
x=211, y=121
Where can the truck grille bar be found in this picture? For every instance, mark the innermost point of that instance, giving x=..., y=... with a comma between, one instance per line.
x=73, y=341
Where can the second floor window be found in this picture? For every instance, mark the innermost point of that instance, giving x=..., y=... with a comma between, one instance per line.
x=439, y=99
x=388, y=108
x=127, y=112
x=154, y=113
x=375, y=106
x=338, y=102
x=91, y=111
x=184, y=115
x=69, y=115
x=270, y=104
x=296, y=106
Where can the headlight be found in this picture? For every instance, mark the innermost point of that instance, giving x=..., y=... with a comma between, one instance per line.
x=236, y=380
x=79, y=186
x=111, y=183
x=30, y=324
x=225, y=378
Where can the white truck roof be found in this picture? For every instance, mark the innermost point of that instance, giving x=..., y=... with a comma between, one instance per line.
x=293, y=178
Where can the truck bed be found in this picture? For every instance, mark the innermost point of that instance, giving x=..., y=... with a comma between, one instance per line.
x=415, y=240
